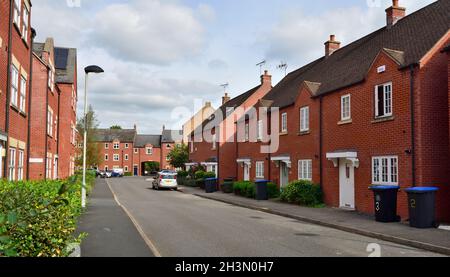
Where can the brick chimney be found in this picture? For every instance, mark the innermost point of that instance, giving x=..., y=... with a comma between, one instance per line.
x=331, y=46
x=394, y=13
x=266, y=78
x=225, y=99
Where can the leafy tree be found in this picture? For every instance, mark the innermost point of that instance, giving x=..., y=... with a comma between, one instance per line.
x=116, y=127
x=151, y=166
x=179, y=156
x=93, y=153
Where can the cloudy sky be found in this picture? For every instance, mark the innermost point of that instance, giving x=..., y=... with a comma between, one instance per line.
x=162, y=56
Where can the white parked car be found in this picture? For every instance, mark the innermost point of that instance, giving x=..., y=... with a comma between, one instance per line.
x=165, y=181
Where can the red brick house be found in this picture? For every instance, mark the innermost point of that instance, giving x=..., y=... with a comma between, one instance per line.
x=373, y=112
x=128, y=150
x=218, y=152
x=15, y=76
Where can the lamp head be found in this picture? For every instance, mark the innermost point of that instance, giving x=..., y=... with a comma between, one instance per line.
x=93, y=69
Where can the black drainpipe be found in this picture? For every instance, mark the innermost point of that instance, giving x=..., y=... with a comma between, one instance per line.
x=30, y=91
x=8, y=87
x=46, y=129
x=321, y=139
x=413, y=127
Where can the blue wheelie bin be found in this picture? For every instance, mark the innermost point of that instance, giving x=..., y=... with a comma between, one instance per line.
x=422, y=207
x=211, y=185
x=261, y=190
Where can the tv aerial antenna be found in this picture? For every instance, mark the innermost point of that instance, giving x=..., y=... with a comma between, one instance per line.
x=283, y=66
x=261, y=64
x=225, y=87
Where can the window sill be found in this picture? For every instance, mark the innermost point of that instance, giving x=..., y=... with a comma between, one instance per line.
x=284, y=133
x=14, y=107
x=383, y=119
x=304, y=133
x=17, y=28
x=345, y=122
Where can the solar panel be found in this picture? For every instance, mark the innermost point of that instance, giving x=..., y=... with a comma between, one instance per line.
x=61, y=55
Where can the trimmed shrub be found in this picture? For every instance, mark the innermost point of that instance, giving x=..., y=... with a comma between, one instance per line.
x=128, y=174
x=38, y=219
x=182, y=174
x=200, y=174
x=304, y=193
x=273, y=190
x=245, y=188
x=210, y=175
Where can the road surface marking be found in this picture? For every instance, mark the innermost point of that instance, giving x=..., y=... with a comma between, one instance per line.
x=136, y=224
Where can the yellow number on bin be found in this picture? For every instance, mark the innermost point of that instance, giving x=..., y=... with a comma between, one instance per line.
x=413, y=203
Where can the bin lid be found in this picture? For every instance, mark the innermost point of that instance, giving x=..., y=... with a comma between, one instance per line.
x=384, y=187
x=261, y=181
x=421, y=189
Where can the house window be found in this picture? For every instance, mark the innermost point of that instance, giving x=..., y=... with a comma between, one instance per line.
x=106, y=145
x=26, y=15
x=126, y=157
x=136, y=151
x=126, y=169
x=12, y=165
x=49, y=167
x=214, y=142
x=14, y=85
x=168, y=146
x=346, y=113
x=17, y=12
x=167, y=159
x=247, y=132
x=192, y=147
x=116, y=146
x=149, y=150
x=259, y=169
x=106, y=168
x=23, y=93
x=284, y=127
x=56, y=128
x=304, y=119
x=385, y=170
x=106, y=157
x=305, y=170
x=383, y=100
x=20, y=166
x=51, y=78
x=127, y=145
x=260, y=130
x=116, y=157
x=50, y=123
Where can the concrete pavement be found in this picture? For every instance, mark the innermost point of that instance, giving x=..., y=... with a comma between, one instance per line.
x=184, y=225
x=111, y=233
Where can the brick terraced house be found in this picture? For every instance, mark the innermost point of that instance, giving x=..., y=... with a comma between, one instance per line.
x=373, y=112
x=128, y=150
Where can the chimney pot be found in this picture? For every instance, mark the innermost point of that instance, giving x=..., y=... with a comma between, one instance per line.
x=225, y=99
x=266, y=78
x=331, y=46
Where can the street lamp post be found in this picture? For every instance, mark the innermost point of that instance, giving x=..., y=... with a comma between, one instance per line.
x=90, y=69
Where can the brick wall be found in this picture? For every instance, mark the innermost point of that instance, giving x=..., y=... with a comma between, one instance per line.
x=67, y=119
x=4, y=28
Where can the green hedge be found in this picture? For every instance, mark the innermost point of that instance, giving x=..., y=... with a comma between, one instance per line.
x=273, y=190
x=248, y=189
x=38, y=219
x=304, y=193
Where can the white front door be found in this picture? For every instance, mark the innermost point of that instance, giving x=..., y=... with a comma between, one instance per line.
x=346, y=184
x=284, y=175
x=246, y=172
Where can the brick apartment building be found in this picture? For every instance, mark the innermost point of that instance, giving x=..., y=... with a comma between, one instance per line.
x=53, y=112
x=218, y=153
x=35, y=114
x=189, y=126
x=15, y=78
x=373, y=112
x=128, y=150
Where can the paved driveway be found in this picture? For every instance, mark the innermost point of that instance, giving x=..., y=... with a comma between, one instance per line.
x=180, y=225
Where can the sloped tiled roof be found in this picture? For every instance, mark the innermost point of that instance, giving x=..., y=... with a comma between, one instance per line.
x=406, y=42
x=171, y=136
x=109, y=135
x=233, y=103
x=143, y=140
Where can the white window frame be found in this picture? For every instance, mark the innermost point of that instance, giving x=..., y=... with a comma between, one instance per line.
x=127, y=145
x=214, y=142
x=106, y=157
x=149, y=151
x=259, y=170
x=12, y=164
x=17, y=12
x=304, y=119
x=106, y=145
x=26, y=18
x=385, y=170
x=50, y=124
x=284, y=123
x=247, y=132
x=192, y=146
x=305, y=170
x=136, y=151
x=346, y=107
x=387, y=100
x=14, y=85
x=260, y=130
x=23, y=94
x=126, y=169
x=116, y=146
x=116, y=158
x=106, y=168
x=126, y=157
x=20, y=163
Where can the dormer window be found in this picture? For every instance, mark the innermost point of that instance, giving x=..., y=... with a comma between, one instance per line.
x=116, y=146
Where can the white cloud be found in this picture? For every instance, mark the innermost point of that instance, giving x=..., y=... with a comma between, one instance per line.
x=148, y=31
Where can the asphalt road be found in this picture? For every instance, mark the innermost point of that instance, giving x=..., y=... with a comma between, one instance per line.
x=183, y=225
